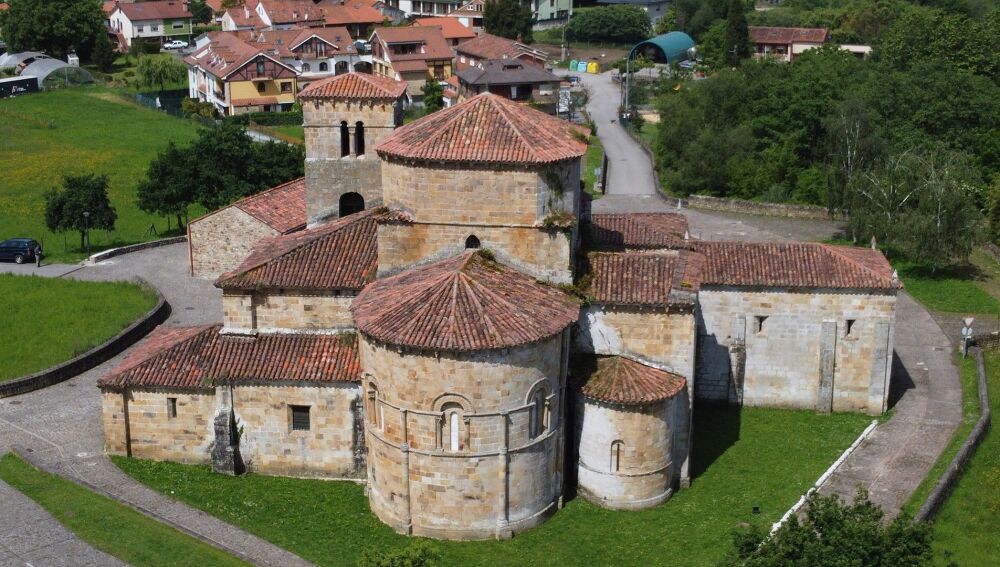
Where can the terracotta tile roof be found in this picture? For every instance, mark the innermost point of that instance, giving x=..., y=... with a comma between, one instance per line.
x=638, y=230
x=620, y=380
x=451, y=28
x=355, y=86
x=199, y=357
x=108, y=6
x=410, y=66
x=488, y=46
x=794, y=264
x=282, y=208
x=506, y=72
x=226, y=53
x=486, y=128
x=282, y=43
x=352, y=13
x=155, y=10
x=464, y=303
x=341, y=254
x=244, y=18
x=762, y=34
x=434, y=45
x=645, y=278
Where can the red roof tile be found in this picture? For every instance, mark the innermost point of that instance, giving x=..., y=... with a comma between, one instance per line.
x=282, y=208
x=355, y=86
x=433, y=43
x=761, y=34
x=645, y=278
x=639, y=230
x=794, y=264
x=136, y=11
x=451, y=28
x=486, y=128
x=352, y=13
x=620, y=380
x=199, y=357
x=337, y=255
x=464, y=303
x=488, y=46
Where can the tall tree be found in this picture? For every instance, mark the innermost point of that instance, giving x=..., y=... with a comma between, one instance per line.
x=169, y=187
x=433, y=96
x=201, y=13
x=508, y=18
x=620, y=23
x=104, y=55
x=64, y=210
x=737, y=42
x=54, y=27
x=159, y=71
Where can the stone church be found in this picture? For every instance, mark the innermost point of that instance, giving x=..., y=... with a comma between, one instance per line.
x=455, y=327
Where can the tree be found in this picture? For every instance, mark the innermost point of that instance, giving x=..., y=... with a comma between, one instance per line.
x=104, y=55
x=54, y=27
x=169, y=187
x=159, y=71
x=854, y=143
x=737, y=44
x=667, y=22
x=64, y=210
x=508, y=18
x=201, y=13
x=834, y=534
x=620, y=23
x=419, y=554
x=433, y=96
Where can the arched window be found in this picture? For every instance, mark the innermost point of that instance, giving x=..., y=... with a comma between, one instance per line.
x=451, y=414
x=616, y=455
x=539, y=414
x=351, y=203
x=472, y=242
x=324, y=67
x=345, y=139
x=359, y=138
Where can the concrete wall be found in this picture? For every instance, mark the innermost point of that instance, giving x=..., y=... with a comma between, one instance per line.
x=626, y=453
x=274, y=310
x=221, y=241
x=268, y=444
x=802, y=357
x=506, y=475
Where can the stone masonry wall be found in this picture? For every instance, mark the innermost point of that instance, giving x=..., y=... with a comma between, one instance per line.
x=625, y=453
x=544, y=254
x=328, y=179
x=665, y=337
x=221, y=241
x=507, y=473
x=274, y=310
x=186, y=438
x=783, y=360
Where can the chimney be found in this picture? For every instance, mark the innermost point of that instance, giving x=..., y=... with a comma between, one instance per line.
x=520, y=38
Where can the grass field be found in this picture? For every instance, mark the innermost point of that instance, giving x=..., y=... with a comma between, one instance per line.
x=742, y=459
x=73, y=132
x=47, y=321
x=107, y=525
x=592, y=161
x=293, y=132
x=952, y=290
x=965, y=530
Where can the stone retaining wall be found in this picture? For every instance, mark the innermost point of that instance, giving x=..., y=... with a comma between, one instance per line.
x=787, y=210
x=91, y=358
x=101, y=256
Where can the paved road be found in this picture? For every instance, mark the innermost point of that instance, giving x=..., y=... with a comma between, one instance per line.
x=61, y=426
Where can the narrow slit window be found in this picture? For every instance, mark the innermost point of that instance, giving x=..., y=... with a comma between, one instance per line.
x=171, y=408
x=758, y=323
x=300, y=418
x=616, y=455
x=849, y=327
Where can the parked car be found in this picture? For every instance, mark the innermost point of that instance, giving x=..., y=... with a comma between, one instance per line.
x=20, y=250
x=175, y=44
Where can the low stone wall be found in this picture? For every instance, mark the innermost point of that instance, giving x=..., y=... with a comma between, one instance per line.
x=787, y=210
x=91, y=358
x=101, y=256
x=953, y=473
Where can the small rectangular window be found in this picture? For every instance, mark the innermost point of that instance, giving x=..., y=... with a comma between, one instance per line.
x=758, y=323
x=171, y=407
x=300, y=418
x=286, y=87
x=849, y=327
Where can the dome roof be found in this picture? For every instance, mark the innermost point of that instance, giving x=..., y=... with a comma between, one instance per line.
x=620, y=380
x=487, y=128
x=667, y=48
x=465, y=303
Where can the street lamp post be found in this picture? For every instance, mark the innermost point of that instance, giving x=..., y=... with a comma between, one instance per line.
x=86, y=229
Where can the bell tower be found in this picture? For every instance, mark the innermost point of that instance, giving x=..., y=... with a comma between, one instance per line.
x=344, y=117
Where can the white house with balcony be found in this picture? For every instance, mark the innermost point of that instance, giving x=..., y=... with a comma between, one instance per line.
x=160, y=21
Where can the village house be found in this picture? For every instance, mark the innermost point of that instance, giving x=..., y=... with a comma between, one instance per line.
x=358, y=16
x=414, y=54
x=315, y=53
x=455, y=327
x=238, y=77
x=786, y=44
x=453, y=31
x=513, y=79
x=485, y=47
x=470, y=14
x=159, y=21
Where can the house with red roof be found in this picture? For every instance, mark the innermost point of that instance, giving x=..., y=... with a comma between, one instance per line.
x=486, y=47
x=786, y=43
x=359, y=17
x=414, y=54
x=159, y=21
x=454, y=32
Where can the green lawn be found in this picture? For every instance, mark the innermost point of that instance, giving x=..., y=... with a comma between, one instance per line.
x=73, y=132
x=107, y=525
x=293, y=132
x=965, y=531
x=952, y=290
x=742, y=459
x=648, y=134
x=592, y=161
x=47, y=321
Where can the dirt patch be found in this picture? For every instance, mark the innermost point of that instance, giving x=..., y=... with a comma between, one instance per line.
x=110, y=97
x=604, y=55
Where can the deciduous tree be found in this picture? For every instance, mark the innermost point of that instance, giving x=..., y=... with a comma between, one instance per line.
x=54, y=27
x=104, y=55
x=508, y=18
x=433, y=96
x=170, y=184
x=154, y=70
x=201, y=13
x=620, y=23
x=64, y=210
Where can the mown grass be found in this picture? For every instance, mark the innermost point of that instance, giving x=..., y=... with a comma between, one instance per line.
x=592, y=161
x=965, y=530
x=294, y=132
x=74, y=132
x=742, y=459
x=108, y=525
x=951, y=289
x=47, y=321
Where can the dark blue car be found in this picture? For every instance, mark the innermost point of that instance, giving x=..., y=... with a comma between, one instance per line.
x=20, y=250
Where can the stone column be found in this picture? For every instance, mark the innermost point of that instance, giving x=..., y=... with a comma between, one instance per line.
x=737, y=360
x=827, y=363
x=504, y=496
x=881, y=367
x=405, y=449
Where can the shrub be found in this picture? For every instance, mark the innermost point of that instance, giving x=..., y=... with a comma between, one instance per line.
x=621, y=23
